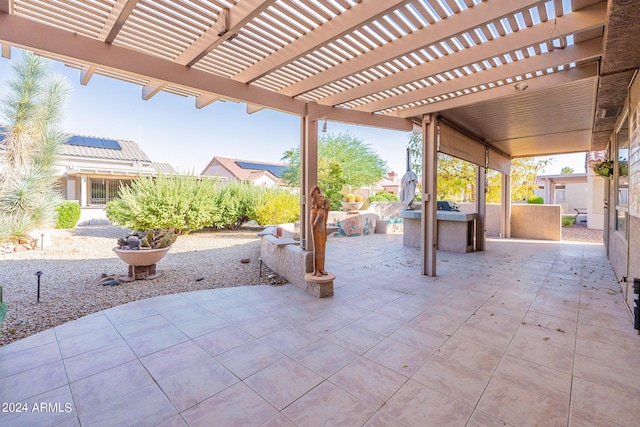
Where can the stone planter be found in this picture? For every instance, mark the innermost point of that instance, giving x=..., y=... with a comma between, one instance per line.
x=142, y=263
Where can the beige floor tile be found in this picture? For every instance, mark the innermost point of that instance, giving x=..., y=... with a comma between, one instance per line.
x=355, y=338
x=15, y=362
x=289, y=339
x=417, y=405
x=381, y=420
x=60, y=410
x=324, y=357
x=175, y=421
x=533, y=377
x=98, y=360
x=610, y=373
x=196, y=383
x=579, y=418
x=223, y=340
x=379, y=323
x=398, y=357
x=424, y=339
x=607, y=403
x=282, y=383
x=249, y=358
x=544, y=347
x=520, y=407
x=477, y=357
x=236, y=406
x=480, y=419
x=328, y=405
x=159, y=339
x=278, y=420
x=145, y=407
x=79, y=344
x=262, y=325
x=434, y=321
x=95, y=391
x=26, y=384
x=368, y=381
x=454, y=380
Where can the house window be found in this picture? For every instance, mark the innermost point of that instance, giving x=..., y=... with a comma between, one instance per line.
x=622, y=182
x=560, y=194
x=105, y=190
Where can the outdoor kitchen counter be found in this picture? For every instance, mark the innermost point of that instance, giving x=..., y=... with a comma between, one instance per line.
x=456, y=230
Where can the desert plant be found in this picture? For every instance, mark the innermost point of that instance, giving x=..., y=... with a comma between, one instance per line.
x=277, y=207
x=68, y=214
x=235, y=204
x=383, y=197
x=32, y=110
x=535, y=200
x=184, y=203
x=568, y=221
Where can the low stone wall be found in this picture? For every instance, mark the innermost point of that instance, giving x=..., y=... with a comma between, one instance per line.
x=288, y=260
x=538, y=222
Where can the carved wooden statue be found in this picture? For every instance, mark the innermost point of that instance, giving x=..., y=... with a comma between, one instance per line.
x=318, y=220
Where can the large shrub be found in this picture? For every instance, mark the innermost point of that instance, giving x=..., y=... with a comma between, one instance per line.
x=234, y=204
x=184, y=203
x=277, y=207
x=68, y=214
x=383, y=197
x=535, y=200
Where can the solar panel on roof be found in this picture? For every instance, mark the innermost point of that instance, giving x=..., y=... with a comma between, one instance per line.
x=85, y=141
x=274, y=169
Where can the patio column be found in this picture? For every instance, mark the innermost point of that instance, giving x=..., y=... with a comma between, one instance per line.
x=83, y=190
x=481, y=207
x=308, y=169
x=506, y=205
x=429, y=225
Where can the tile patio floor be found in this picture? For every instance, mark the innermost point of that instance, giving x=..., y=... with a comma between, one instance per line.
x=523, y=334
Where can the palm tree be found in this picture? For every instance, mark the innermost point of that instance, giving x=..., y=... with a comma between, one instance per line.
x=31, y=136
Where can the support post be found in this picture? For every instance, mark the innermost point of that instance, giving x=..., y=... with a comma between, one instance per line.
x=83, y=191
x=481, y=208
x=506, y=205
x=308, y=170
x=429, y=224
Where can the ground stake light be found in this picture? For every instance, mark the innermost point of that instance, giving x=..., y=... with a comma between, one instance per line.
x=39, y=273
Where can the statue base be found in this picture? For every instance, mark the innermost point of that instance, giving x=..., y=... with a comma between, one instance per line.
x=319, y=286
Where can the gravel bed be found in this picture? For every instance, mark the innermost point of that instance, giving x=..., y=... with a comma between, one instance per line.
x=72, y=268
x=580, y=233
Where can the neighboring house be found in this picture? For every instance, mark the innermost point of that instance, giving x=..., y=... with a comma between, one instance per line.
x=258, y=173
x=582, y=191
x=388, y=184
x=92, y=169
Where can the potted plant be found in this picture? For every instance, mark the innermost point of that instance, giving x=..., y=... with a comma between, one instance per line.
x=604, y=168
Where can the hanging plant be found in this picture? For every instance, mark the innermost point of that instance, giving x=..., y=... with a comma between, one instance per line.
x=604, y=168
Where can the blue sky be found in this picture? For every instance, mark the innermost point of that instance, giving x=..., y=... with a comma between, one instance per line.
x=171, y=130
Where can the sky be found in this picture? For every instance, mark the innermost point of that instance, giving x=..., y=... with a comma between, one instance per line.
x=169, y=129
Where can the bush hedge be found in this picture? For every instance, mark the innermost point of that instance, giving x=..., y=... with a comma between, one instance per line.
x=383, y=197
x=188, y=203
x=535, y=200
x=68, y=214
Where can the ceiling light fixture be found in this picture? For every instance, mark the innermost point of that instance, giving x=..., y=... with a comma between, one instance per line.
x=521, y=87
x=562, y=42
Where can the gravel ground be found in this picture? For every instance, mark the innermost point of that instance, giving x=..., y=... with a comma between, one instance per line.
x=580, y=233
x=73, y=265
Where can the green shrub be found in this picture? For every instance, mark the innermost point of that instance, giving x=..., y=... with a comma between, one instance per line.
x=277, y=207
x=383, y=197
x=184, y=203
x=568, y=221
x=68, y=214
x=235, y=204
x=535, y=200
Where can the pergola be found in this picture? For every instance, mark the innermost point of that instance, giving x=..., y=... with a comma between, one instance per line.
x=485, y=81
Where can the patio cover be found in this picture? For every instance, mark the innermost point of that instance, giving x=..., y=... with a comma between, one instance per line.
x=524, y=77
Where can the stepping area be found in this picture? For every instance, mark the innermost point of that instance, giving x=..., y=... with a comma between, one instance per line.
x=524, y=333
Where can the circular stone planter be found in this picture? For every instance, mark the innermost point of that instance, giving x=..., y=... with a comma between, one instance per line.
x=142, y=262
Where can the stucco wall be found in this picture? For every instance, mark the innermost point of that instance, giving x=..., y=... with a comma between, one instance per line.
x=540, y=222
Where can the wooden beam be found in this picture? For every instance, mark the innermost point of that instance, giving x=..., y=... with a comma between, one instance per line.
x=239, y=15
x=6, y=6
x=577, y=22
x=205, y=99
x=152, y=88
x=86, y=73
x=542, y=82
x=331, y=30
x=118, y=16
x=453, y=25
x=585, y=51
